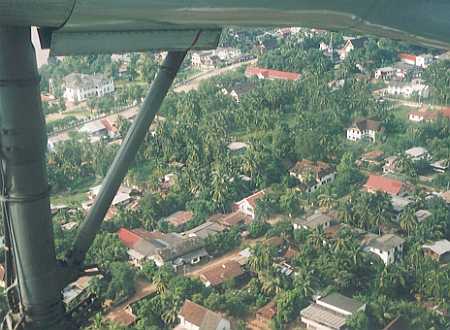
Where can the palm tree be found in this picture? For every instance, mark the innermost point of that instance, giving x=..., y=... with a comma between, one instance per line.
x=327, y=201
x=261, y=259
x=170, y=313
x=406, y=165
x=346, y=213
x=220, y=187
x=305, y=282
x=317, y=237
x=271, y=283
x=408, y=220
x=97, y=322
x=160, y=282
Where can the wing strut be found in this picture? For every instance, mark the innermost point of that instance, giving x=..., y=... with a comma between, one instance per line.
x=125, y=156
x=34, y=275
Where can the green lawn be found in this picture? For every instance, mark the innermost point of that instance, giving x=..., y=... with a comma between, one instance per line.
x=77, y=194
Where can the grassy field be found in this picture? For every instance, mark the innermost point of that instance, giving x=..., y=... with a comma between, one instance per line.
x=76, y=195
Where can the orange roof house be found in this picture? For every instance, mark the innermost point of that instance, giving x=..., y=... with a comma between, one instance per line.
x=385, y=184
x=270, y=74
x=217, y=275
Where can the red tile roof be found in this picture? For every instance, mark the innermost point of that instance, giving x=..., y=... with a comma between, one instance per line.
x=233, y=219
x=430, y=114
x=128, y=237
x=445, y=112
x=384, y=184
x=406, y=56
x=271, y=74
x=200, y=316
x=252, y=198
x=425, y=114
x=109, y=127
x=219, y=274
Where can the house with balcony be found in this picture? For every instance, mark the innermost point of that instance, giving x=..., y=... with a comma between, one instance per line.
x=79, y=87
x=364, y=129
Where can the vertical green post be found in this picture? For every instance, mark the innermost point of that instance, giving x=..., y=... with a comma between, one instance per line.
x=23, y=145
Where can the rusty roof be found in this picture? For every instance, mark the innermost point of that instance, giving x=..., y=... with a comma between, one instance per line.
x=219, y=274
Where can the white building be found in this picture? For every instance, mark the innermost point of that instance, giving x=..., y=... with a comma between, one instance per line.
x=330, y=312
x=385, y=73
x=424, y=60
x=388, y=247
x=364, y=128
x=79, y=87
x=248, y=204
x=237, y=146
x=195, y=317
x=209, y=59
x=408, y=89
x=418, y=153
x=352, y=44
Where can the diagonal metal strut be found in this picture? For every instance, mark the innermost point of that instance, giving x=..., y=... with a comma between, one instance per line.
x=125, y=156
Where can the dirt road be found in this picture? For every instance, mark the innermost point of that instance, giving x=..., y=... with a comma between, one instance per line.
x=194, y=82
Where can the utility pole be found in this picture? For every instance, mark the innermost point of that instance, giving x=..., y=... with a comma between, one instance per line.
x=25, y=190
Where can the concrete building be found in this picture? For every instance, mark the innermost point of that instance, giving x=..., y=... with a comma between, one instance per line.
x=330, y=312
x=364, y=129
x=79, y=87
x=388, y=247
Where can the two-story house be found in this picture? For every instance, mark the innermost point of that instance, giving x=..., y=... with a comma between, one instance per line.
x=351, y=45
x=364, y=129
x=388, y=247
x=312, y=175
x=79, y=87
x=162, y=248
x=248, y=204
x=330, y=312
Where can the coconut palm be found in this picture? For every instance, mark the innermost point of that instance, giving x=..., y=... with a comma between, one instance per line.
x=327, y=201
x=97, y=322
x=305, y=282
x=317, y=237
x=261, y=259
x=271, y=283
x=408, y=220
